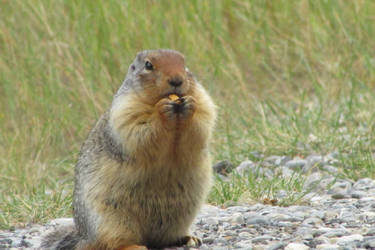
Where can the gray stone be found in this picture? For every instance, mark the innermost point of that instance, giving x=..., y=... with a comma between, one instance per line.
x=261, y=239
x=312, y=221
x=286, y=172
x=339, y=195
x=260, y=220
x=281, y=194
x=285, y=217
x=330, y=215
x=331, y=169
x=245, y=167
x=371, y=231
x=347, y=240
x=364, y=184
x=369, y=244
x=338, y=232
x=277, y=246
x=340, y=190
x=318, y=213
x=313, y=180
x=208, y=240
x=272, y=159
x=282, y=160
x=243, y=245
x=358, y=194
x=237, y=218
x=307, y=237
x=245, y=235
x=313, y=163
x=296, y=246
x=327, y=247
x=204, y=247
x=256, y=155
x=325, y=182
x=211, y=221
x=341, y=185
x=296, y=164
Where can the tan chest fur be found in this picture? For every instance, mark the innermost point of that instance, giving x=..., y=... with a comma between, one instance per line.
x=154, y=204
x=154, y=194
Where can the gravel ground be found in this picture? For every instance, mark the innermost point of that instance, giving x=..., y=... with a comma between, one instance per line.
x=339, y=217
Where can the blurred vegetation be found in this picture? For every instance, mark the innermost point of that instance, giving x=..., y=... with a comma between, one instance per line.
x=284, y=73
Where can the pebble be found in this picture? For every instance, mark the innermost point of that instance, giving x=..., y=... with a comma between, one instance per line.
x=237, y=218
x=327, y=247
x=336, y=213
x=296, y=164
x=347, y=240
x=245, y=167
x=296, y=246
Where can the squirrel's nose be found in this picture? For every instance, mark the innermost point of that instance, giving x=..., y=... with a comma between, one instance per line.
x=175, y=81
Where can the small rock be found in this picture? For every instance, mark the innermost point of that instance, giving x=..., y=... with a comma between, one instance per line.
x=210, y=221
x=281, y=194
x=338, y=232
x=367, y=216
x=237, y=218
x=296, y=164
x=339, y=195
x=371, y=231
x=340, y=190
x=62, y=222
x=343, y=185
x=202, y=247
x=277, y=246
x=313, y=163
x=358, y=194
x=327, y=247
x=347, y=240
x=313, y=180
x=331, y=169
x=312, y=221
x=245, y=167
x=296, y=246
x=208, y=240
x=272, y=159
x=243, y=245
x=330, y=215
x=369, y=244
x=307, y=237
x=282, y=160
x=260, y=220
x=364, y=184
x=261, y=238
x=286, y=172
x=244, y=235
x=256, y=155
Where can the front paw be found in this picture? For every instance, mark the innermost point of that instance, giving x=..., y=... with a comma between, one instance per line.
x=185, y=107
x=189, y=241
x=182, y=108
x=166, y=109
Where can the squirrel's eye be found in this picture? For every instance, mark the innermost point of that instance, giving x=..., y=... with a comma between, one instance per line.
x=149, y=65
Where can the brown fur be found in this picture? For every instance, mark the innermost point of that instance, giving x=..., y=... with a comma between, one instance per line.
x=145, y=168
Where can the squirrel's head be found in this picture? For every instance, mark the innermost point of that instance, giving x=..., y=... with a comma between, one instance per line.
x=155, y=74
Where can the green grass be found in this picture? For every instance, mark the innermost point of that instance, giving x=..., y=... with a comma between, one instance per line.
x=284, y=74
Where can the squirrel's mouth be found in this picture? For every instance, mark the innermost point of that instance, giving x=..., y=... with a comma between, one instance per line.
x=173, y=95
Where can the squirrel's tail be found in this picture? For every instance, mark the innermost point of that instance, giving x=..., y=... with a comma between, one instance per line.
x=65, y=238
